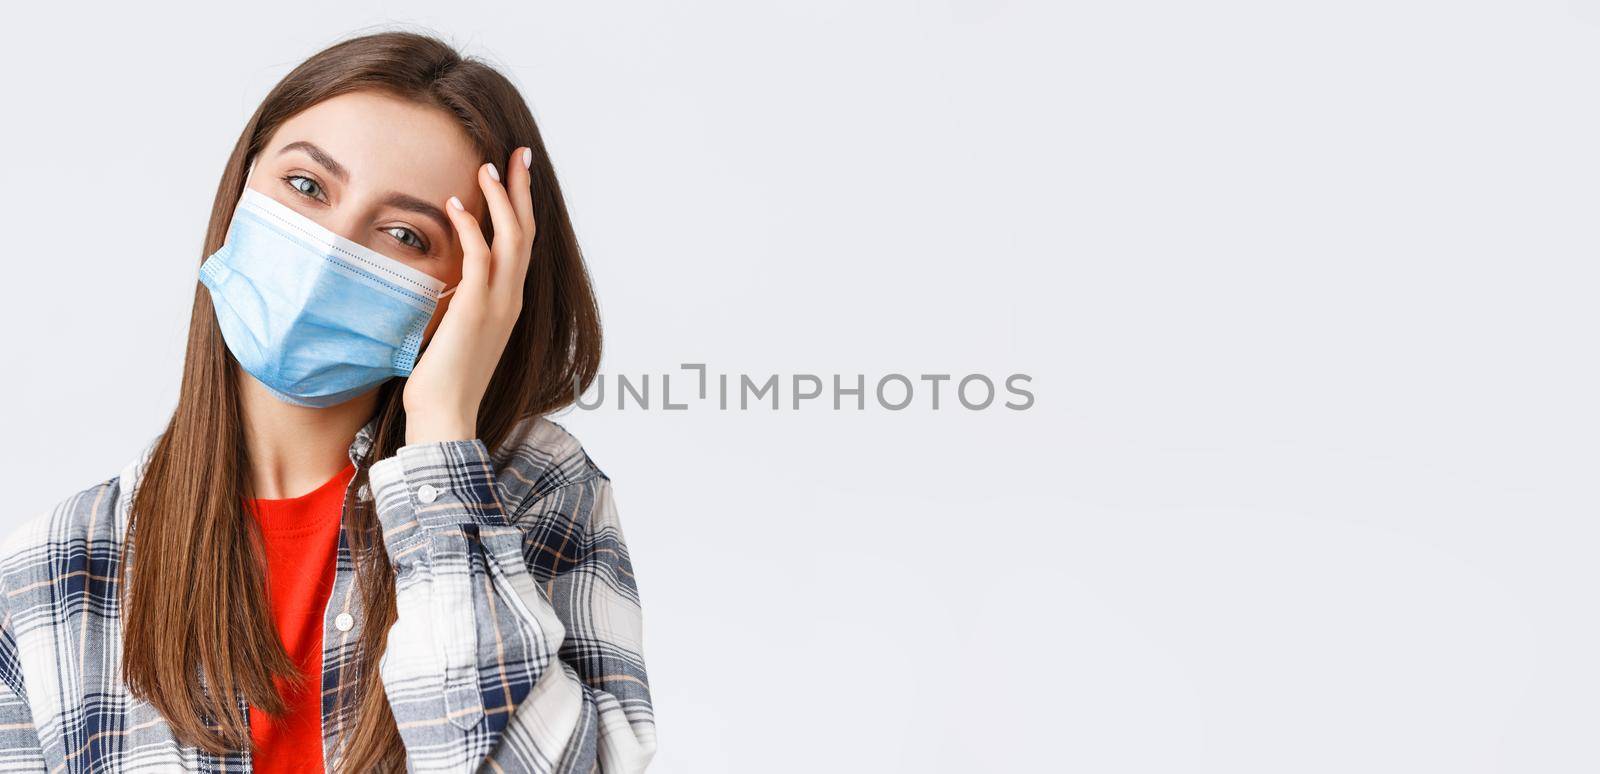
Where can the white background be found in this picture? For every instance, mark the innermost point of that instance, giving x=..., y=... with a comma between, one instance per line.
x=1307, y=291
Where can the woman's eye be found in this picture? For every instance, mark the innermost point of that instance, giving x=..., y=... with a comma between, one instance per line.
x=407, y=237
x=304, y=185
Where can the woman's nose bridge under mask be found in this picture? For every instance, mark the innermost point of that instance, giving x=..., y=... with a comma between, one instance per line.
x=315, y=317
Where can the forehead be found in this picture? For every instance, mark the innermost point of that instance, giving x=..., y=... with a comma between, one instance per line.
x=387, y=143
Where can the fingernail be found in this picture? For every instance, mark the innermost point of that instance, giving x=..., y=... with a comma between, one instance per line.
x=527, y=158
x=456, y=203
x=494, y=174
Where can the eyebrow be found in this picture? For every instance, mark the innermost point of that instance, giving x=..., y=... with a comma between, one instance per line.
x=411, y=203
x=320, y=156
x=394, y=199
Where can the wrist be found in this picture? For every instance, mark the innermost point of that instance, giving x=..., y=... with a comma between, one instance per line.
x=433, y=428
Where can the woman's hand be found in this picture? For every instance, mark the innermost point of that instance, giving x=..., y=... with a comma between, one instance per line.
x=445, y=387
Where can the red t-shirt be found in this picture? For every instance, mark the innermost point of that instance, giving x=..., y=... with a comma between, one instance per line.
x=301, y=537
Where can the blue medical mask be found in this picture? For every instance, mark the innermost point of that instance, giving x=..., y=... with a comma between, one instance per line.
x=317, y=318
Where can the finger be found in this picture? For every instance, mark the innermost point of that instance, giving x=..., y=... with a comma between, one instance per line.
x=507, y=231
x=521, y=190
x=519, y=184
x=474, y=251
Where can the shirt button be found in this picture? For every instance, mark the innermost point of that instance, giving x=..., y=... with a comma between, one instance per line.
x=427, y=493
x=345, y=622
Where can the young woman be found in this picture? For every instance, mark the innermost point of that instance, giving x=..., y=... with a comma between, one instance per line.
x=318, y=566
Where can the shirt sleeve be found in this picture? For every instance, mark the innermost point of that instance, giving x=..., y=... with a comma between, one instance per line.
x=518, y=643
x=19, y=739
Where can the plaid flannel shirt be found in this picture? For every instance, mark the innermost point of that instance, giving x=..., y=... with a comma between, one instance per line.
x=518, y=645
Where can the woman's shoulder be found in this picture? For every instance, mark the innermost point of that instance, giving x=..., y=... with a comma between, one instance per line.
x=87, y=525
x=540, y=456
x=80, y=536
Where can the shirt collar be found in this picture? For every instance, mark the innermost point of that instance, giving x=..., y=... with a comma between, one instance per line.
x=363, y=440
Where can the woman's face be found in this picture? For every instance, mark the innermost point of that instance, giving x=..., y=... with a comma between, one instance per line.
x=377, y=170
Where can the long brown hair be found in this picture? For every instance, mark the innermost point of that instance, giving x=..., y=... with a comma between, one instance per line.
x=198, y=636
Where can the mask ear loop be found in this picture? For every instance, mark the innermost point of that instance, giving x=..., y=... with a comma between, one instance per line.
x=447, y=293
